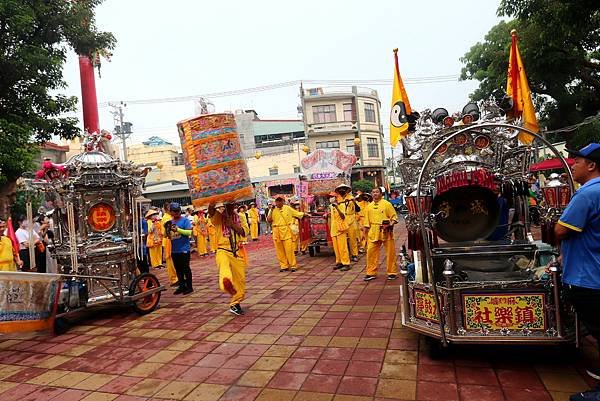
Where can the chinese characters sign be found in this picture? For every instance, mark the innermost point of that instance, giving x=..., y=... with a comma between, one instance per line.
x=101, y=217
x=425, y=306
x=325, y=175
x=506, y=311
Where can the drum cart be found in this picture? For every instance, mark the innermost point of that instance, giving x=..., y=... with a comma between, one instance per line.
x=469, y=287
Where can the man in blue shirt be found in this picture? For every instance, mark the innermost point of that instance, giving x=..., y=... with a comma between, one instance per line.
x=579, y=231
x=181, y=231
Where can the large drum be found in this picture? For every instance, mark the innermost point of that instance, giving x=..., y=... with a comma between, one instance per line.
x=465, y=206
x=215, y=167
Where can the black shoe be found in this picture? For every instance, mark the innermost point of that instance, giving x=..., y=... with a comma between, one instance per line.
x=175, y=284
x=187, y=291
x=303, y=252
x=392, y=277
x=354, y=258
x=593, y=372
x=590, y=395
x=236, y=309
x=293, y=269
x=283, y=270
x=295, y=252
x=369, y=278
x=338, y=266
x=345, y=268
x=178, y=291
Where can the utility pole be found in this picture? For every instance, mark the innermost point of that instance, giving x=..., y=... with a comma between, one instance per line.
x=393, y=167
x=122, y=128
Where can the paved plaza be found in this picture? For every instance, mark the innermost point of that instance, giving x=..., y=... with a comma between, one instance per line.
x=312, y=335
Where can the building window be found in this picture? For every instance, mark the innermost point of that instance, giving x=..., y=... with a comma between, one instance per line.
x=273, y=171
x=296, y=169
x=370, y=112
x=350, y=146
x=328, y=145
x=349, y=112
x=372, y=147
x=324, y=114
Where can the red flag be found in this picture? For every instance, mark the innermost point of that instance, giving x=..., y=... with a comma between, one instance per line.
x=10, y=233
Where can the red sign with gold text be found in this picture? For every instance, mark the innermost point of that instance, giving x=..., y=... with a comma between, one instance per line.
x=101, y=217
x=504, y=311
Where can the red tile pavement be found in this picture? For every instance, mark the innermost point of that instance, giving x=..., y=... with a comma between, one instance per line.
x=311, y=335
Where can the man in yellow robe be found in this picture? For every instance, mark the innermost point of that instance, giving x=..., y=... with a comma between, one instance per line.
x=254, y=221
x=380, y=218
x=339, y=234
x=363, y=203
x=348, y=206
x=243, y=221
x=154, y=239
x=230, y=256
x=281, y=218
x=9, y=257
x=171, y=273
x=200, y=232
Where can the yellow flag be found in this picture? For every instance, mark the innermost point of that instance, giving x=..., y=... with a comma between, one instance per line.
x=400, y=107
x=518, y=89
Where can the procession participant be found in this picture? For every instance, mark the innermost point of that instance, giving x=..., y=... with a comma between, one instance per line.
x=41, y=228
x=295, y=227
x=212, y=235
x=22, y=235
x=364, y=200
x=254, y=221
x=181, y=231
x=9, y=256
x=380, y=218
x=200, y=232
x=230, y=258
x=348, y=205
x=154, y=239
x=167, y=246
x=339, y=234
x=303, y=230
x=578, y=229
x=281, y=217
x=241, y=210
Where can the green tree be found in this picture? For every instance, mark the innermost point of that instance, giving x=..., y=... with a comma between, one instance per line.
x=560, y=52
x=362, y=185
x=35, y=36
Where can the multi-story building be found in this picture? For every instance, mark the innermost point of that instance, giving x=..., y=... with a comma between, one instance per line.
x=347, y=119
x=165, y=158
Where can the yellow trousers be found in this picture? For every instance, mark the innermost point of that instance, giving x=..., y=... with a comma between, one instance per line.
x=155, y=255
x=340, y=248
x=201, y=244
x=171, y=273
x=353, y=239
x=254, y=229
x=285, y=253
x=233, y=269
x=373, y=256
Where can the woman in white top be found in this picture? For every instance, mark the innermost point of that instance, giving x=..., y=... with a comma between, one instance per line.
x=22, y=235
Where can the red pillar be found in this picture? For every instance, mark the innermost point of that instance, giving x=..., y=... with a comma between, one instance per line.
x=89, y=103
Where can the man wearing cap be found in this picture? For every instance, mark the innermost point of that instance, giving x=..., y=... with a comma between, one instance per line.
x=181, y=231
x=171, y=273
x=380, y=218
x=339, y=234
x=281, y=218
x=254, y=219
x=230, y=258
x=578, y=229
x=348, y=206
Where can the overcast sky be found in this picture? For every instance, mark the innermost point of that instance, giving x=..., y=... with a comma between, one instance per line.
x=185, y=48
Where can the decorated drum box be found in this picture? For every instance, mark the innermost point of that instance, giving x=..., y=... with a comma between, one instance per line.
x=215, y=167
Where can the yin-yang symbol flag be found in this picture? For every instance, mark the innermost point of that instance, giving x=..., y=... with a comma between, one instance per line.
x=400, y=107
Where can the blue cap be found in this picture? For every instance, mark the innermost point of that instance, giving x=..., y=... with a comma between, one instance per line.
x=174, y=206
x=591, y=152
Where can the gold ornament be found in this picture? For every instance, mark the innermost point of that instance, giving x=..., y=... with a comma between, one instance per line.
x=356, y=141
x=258, y=155
x=305, y=149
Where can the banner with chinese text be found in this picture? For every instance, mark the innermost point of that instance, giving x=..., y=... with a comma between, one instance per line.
x=425, y=306
x=504, y=311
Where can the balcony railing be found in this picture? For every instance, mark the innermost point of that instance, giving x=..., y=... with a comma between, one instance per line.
x=339, y=90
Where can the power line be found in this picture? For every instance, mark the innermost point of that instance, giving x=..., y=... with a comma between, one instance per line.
x=287, y=84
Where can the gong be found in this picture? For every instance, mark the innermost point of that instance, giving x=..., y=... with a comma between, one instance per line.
x=466, y=213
